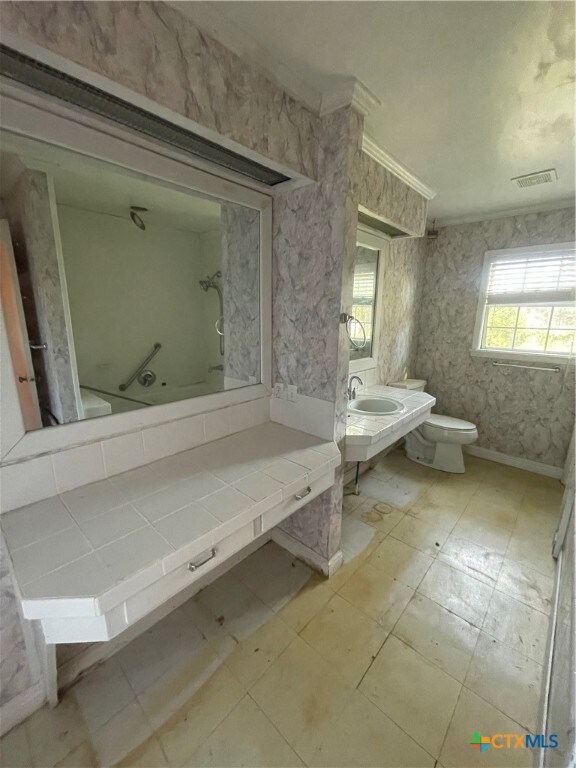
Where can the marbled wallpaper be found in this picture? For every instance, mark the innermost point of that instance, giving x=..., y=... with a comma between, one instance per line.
x=523, y=413
x=15, y=675
x=401, y=270
x=152, y=49
x=386, y=195
x=240, y=227
x=31, y=214
x=314, y=250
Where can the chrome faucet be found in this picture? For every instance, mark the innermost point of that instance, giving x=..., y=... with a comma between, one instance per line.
x=352, y=390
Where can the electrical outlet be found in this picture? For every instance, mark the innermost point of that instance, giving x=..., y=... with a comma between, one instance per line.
x=291, y=392
x=279, y=390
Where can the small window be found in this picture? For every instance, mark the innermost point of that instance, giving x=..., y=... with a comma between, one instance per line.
x=363, y=302
x=526, y=305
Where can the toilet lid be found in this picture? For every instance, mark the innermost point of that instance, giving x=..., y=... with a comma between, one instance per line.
x=447, y=422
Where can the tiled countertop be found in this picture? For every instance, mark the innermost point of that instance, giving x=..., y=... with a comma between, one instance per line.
x=98, y=543
x=367, y=430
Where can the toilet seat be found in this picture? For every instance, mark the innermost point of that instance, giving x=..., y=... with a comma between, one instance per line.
x=449, y=423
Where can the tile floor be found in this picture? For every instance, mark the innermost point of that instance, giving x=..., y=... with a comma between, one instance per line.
x=435, y=627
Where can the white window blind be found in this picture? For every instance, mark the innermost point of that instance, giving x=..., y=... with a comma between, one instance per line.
x=535, y=278
x=364, y=283
x=526, y=305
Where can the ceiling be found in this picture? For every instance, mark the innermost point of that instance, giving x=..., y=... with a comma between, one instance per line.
x=472, y=93
x=92, y=185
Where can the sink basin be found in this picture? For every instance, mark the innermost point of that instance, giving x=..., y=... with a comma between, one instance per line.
x=375, y=405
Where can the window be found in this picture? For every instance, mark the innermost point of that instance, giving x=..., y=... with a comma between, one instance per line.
x=363, y=302
x=526, y=307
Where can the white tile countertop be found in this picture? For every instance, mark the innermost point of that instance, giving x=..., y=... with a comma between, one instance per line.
x=367, y=435
x=84, y=552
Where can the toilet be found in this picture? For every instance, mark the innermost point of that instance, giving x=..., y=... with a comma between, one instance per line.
x=438, y=441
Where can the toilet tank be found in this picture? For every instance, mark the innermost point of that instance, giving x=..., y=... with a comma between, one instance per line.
x=418, y=385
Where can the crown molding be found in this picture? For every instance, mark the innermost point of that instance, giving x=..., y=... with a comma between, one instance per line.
x=452, y=221
x=349, y=92
x=383, y=157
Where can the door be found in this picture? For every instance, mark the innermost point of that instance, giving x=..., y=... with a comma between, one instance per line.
x=16, y=330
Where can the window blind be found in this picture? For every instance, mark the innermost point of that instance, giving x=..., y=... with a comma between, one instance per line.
x=535, y=278
x=364, y=283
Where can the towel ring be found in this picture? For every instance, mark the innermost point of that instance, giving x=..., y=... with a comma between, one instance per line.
x=347, y=320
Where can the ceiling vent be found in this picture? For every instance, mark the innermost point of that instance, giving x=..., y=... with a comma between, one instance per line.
x=46, y=79
x=538, y=177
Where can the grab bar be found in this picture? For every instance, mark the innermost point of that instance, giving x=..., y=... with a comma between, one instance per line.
x=554, y=369
x=143, y=364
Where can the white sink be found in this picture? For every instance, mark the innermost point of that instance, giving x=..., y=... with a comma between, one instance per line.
x=375, y=405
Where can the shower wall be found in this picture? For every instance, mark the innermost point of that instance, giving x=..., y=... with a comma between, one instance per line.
x=115, y=328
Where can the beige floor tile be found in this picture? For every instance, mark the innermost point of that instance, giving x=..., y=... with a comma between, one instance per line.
x=306, y=603
x=122, y=734
x=533, y=552
x=518, y=625
x=472, y=559
x=413, y=692
x=170, y=692
x=301, y=694
x=365, y=736
x=379, y=515
x=234, y=606
x=445, y=516
x=378, y=595
x=14, y=749
x=526, y=584
x=401, y=561
x=474, y=714
x=350, y=500
x=486, y=535
x=147, y=755
x=102, y=693
x=83, y=756
x=439, y=635
x=349, y=568
x=484, y=508
x=273, y=574
x=506, y=679
x=345, y=637
x=153, y=653
x=53, y=733
x=188, y=728
x=423, y=536
x=456, y=591
x=456, y=492
x=252, y=657
x=400, y=492
x=536, y=521
x=245, y=738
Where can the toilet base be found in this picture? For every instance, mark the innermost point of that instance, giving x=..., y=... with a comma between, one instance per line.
x=447, y=457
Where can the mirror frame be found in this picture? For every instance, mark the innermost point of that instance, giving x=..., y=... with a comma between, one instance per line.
x=32, y=115
x=377, y=241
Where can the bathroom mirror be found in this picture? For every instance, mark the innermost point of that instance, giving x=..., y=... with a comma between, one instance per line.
x=121, y=291
x=361, y=329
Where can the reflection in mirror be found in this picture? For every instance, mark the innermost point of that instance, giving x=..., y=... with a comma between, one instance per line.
x=363, y=302
x=121, y=291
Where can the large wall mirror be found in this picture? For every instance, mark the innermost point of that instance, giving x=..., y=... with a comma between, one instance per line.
x=121, y=291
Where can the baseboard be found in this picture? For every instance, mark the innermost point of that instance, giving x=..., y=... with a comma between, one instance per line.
x=514, y=461
x=309, y=556
x=20, y=707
